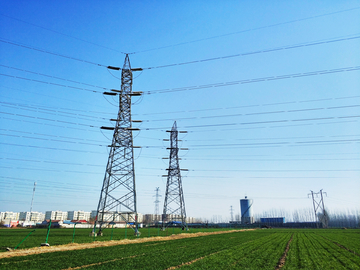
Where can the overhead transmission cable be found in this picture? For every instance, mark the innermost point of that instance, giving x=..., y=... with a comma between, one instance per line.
x=51, y=148
x=256, y=80
x=48, y=52
x=51, y=83
x=55, y=112
x=265, y=122
x=256, y=113
x=51, y=135
x=287, y=47
x=66, y=35
x=54, y=77
x=254, y=105
x=70, y=111
x=41, y=106
x=47, y=119
x=51, y=140
x=249, y=30
x=48, y=124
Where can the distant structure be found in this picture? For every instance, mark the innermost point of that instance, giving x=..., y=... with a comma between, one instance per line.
x=273, y=220
x=32, y=199
x=31, y=216
x=157, y=196
x=246, y=211
x=174, y=204
x=231, y=214
x=118, y=194
x=78, y=215
x=56, y=215
x=319, y=208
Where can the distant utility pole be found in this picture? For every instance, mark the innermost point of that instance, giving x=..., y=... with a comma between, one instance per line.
x=118, y=194
x=32, y=200
x=174, y=205
x=157, y=196
x=231, y=213
x=318, y=204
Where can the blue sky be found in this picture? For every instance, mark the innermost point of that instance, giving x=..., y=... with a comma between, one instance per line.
x=252, y=128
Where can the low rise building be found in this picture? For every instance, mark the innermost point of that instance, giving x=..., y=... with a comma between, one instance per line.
x=13, y=216
x=115, y=216
x=55, y=215
x=32, y=216
x=78, y=215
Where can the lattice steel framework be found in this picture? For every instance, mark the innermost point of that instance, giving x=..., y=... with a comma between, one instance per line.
x=118, y=195
x=157, y=196
x=318, y=204
x=174, y=205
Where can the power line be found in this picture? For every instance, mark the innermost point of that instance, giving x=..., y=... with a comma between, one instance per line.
x=161, y=129
x=48, y=124
x=255, y=105
x=50, y=162
x=55, y=84
x=287, y=47
x=43, y=95
x=256, y=113
x=54, y=77
x=273, y=143
x=256, y=80
x=66, y=35
x=52, y=108
x=249, y=30
x=51, y=148
x=48, y=170
x=71, y=110
x=262, y=122
x=48, y=119
x=49, y=135
x=67, y=114
x=48, y=52
x=46, y=181
x=302, y=170
x=50, y=140
x=53, y=112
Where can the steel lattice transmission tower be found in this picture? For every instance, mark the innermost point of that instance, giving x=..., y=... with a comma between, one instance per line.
x=319, y=204
x=118, y=194
x=157, y=196
x=174, y=205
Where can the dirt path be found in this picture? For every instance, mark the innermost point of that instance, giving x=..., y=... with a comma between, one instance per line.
x=281, y=262
x=38, y=250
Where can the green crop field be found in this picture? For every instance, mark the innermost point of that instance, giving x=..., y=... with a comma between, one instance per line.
x=257, y=249
x=12, y=237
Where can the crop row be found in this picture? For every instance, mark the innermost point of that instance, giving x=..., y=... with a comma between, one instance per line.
x=261, y=253
x=259, y=249
x=12, y=237
x=347, y=238
x=311, y=251
x=154, y=255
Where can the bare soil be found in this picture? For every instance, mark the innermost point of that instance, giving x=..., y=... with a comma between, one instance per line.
x=96, y=244
x=281, y=262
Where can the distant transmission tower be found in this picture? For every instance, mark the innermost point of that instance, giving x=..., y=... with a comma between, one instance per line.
x=231, y=213
x=32, y=200
x=320, y=215
x=118, y=195
x=174, y=205
x=157, y=196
